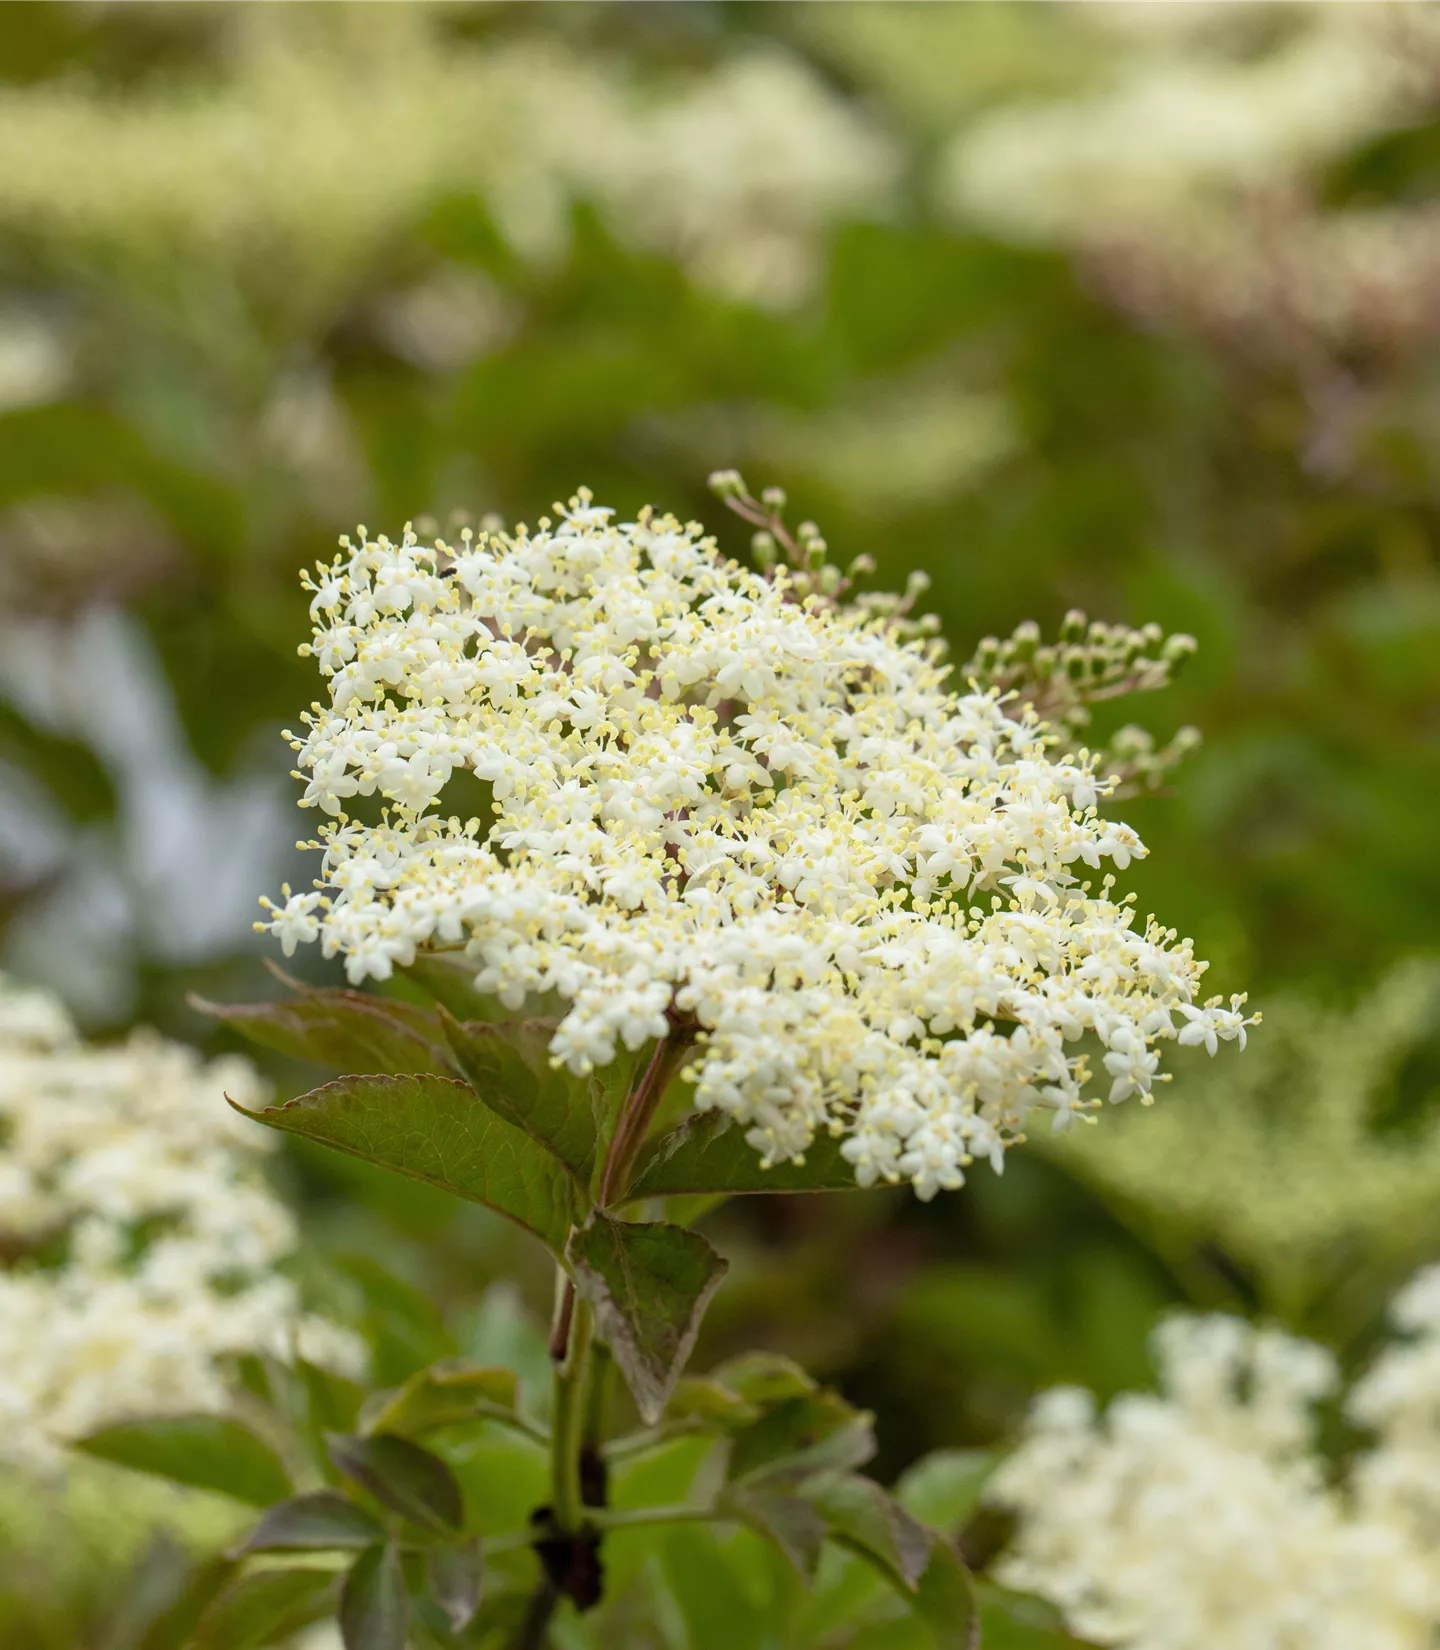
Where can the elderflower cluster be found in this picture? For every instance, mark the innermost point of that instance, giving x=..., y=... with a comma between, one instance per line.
x=762, y=818
x=1185, y=120
x=139, y=1243
x=1205, y=1516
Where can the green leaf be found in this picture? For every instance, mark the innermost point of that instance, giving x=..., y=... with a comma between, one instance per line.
x=453, y=1576
x=374, y=1606
x=945, y=1601
x=943, y=1489
x=448, y=977
x=1020, y=1621
x=508, y=1066
x=858, y=1513
x=794, y=1526
x=320, y=1521
x=441, y=1395
x=765, y=1378
x=816, y=1432
x=435, y=1129
x=346, y=1030
x=209, y=1452
x=161, y=1599
x=708, y=1153
x=648, y=1286
x=263, y=1606
x=332, y=1403
x=402, y=1476
x=705, y=1399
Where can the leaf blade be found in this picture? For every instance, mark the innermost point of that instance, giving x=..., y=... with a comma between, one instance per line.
x=374, y=1606
x=707, y=1153
x=346, y=1030
x=208, y=1452
x=319, y=1521
x=859, y=1513
x=402, y=1476
x=258, y=1608
x=435, y=1129
x=648, y=1286
x=508, y=1066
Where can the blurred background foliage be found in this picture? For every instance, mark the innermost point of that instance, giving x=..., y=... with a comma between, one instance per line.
x=1127, y=307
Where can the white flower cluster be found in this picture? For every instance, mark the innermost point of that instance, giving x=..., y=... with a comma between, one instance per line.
x=1204, y=1516
x=1185, y=120
x=766, y=816
x=139, y=1243
x=321, y=137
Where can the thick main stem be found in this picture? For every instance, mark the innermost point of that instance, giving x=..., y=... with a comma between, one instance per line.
x=567, y=1422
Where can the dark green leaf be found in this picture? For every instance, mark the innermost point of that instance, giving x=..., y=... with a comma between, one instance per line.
x=860, y=1514
x=790, y=1522
x=402, y=1476
x=374, y=1606
x=709, y=1153
x=817, y=1432
x=317, y=1522
x=263, y=1606
x=346, y=1030
x=210, y=1452
x=453, y=1576
x=648, y=1286
x=441, y=1395
x=945, y=1601
x=435, y=1129
x=508, y=1066
x=449, y=978
x=943, y=1489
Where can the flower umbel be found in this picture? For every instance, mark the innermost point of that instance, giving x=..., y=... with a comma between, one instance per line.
x=140, y=1243
x=729, y=801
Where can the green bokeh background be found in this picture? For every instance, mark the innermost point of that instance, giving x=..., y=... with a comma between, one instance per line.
x=248, y=353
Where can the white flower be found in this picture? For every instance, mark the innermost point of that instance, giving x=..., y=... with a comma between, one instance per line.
x=1204, y=1516
x=127, y=1163
x=768, y=820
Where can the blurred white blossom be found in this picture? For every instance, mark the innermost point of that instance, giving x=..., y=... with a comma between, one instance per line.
x=141, y=1242
x=763, y=816
x=1206, y=1515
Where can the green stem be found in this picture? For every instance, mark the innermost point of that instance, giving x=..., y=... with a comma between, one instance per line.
x=597, y=1396
x=571, y=1382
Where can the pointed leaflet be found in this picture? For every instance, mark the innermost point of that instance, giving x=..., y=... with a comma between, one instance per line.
x=812, y=1432
x=435, y=1129
x=709, y=1153
x=344, y=1029
x=454, y=1575
x=374, y=1606
x=209, y=1452
x=264, y=1606
x=648, y=1287
x=859, y=1514
x=320, y=1521
x=508, y=1066
x=792, y=1524
x=450, y=1391
x=404, y=1477
x=945, y=1601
